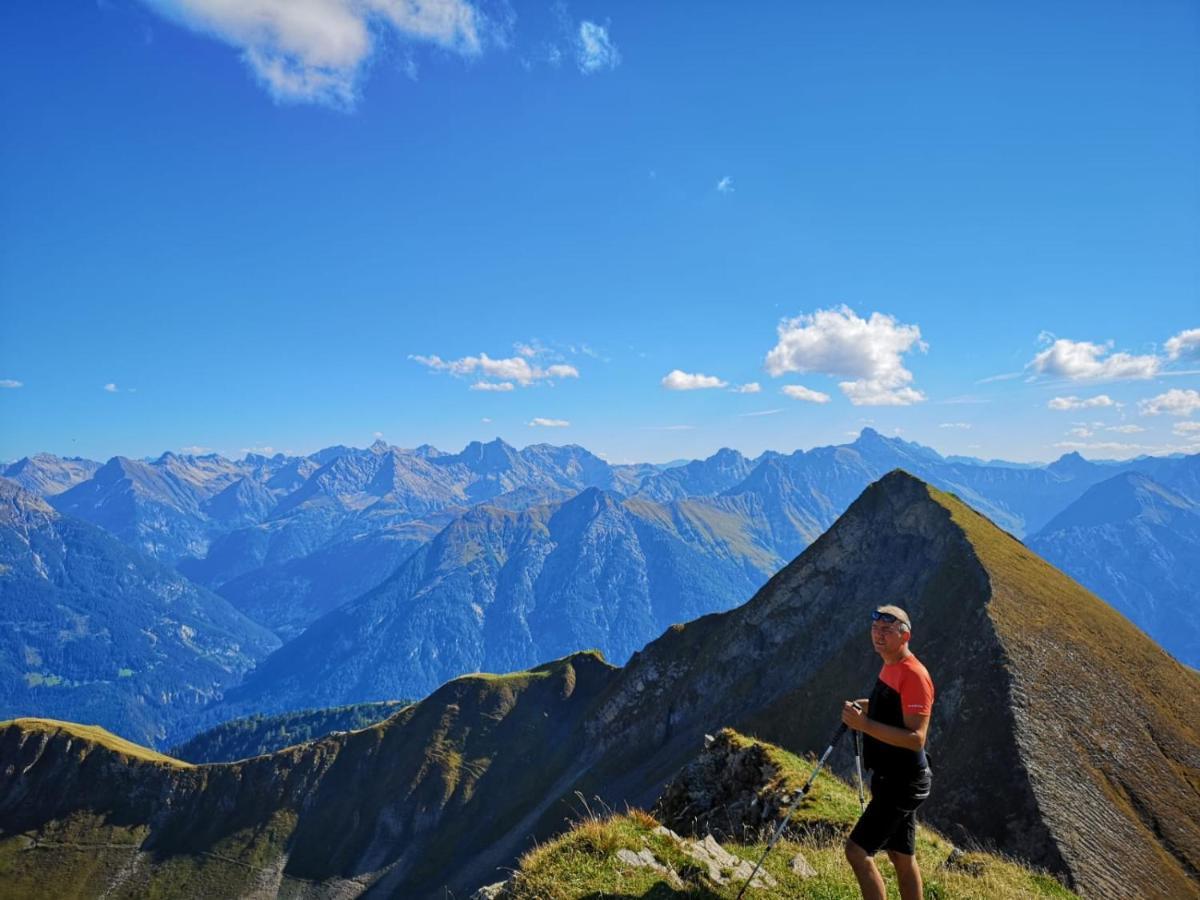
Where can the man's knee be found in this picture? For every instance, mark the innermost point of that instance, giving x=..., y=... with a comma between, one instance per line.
x=904, y=862
x=855, y=854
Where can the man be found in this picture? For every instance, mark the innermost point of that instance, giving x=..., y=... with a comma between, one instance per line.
x=894, y=723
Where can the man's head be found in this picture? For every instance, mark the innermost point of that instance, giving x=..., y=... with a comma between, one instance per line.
x=890, y=631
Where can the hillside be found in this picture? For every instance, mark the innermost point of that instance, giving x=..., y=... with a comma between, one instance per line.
x=1135, y=543
x=96, y=632
x=499, y=590
x=259, y=735
x=737, y=790
x=1031, y=756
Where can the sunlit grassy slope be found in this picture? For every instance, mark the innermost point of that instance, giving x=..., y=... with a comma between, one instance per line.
x=583, y=863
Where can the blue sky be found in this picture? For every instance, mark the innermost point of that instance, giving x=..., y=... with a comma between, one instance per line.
x=289, y=225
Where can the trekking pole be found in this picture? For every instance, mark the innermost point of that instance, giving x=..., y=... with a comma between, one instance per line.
x=837, y=736
x=858, y=769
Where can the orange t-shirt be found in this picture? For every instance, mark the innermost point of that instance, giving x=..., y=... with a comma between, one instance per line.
x=911, y=681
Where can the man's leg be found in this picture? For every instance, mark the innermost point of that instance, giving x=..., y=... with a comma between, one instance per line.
x=870, y=882
x=908, y=873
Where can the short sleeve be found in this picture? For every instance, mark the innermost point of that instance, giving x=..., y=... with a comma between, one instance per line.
x=916, y=693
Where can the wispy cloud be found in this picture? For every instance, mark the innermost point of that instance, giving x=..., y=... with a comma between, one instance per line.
x=1007, y=376
x=1125, y=429
x=594, y=49
x=799, y=392
x=11, y=383
x=725, y=185
x=314, y=51
x=1065, y=403
x=678, y=380
x=498, y=386
x=539, y=422
x=111, y=388
x=1174, y=402
x=195, y=450
x=962, y=426
x=752, y=387
x=762, y=412
x=513, y=369
x=1186, y=429
x=839, y=342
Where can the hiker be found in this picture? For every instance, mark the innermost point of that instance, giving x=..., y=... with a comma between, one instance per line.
x=894, y=723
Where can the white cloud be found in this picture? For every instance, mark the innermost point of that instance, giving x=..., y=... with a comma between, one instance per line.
x=1186, y=343
x=752, y=387
x=1085, y=361
x=539, y=422
x=111, y=388
x=838, y=342
x=515, y=368
x=195, y=450
x=11, y=383
x=594, y=49
x=260, y=451
x=492, y=386
x=378, y=435
x=313, y=51
x=677, y=380
x=1081, y=432
x=959, y=425
x=1126, y=429
x=485, y=420
x=799, y=392
x=1174, y=403
x=762, y=412
x=725, y=185
x=1186, y=429
x=1065, y=403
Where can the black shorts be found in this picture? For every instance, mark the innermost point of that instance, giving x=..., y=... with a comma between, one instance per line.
x=890, y=820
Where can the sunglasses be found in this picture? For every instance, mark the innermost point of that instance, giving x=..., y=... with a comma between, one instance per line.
x=877, y=616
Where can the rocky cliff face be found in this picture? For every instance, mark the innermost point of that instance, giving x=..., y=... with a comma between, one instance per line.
x=1049, y=738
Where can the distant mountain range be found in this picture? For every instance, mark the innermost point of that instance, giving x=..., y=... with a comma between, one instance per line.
x=387, y=571
x=1033, y=756
x=95, y=631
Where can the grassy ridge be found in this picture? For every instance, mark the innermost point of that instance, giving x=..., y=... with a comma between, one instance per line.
x=97, y=735
x=583, y=863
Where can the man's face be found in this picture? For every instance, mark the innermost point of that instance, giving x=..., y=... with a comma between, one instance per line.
x=887, y=637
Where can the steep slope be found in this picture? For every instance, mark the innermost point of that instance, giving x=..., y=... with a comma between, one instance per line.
x=1137, y=545
x=700, y=477
x=289, y=596
x=154, y=507
x=258, y=735
x=395, y=810
x=46, y=474
x=498, y=589
x=97, y=633
x=1051, y=737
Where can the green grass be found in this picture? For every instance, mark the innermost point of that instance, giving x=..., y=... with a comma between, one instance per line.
x=95, y=734
x=582, y=863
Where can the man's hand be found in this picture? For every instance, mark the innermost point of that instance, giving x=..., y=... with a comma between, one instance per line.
x=853, y=717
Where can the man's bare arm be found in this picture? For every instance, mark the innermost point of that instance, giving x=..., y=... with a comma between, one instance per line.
x=910, y=737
